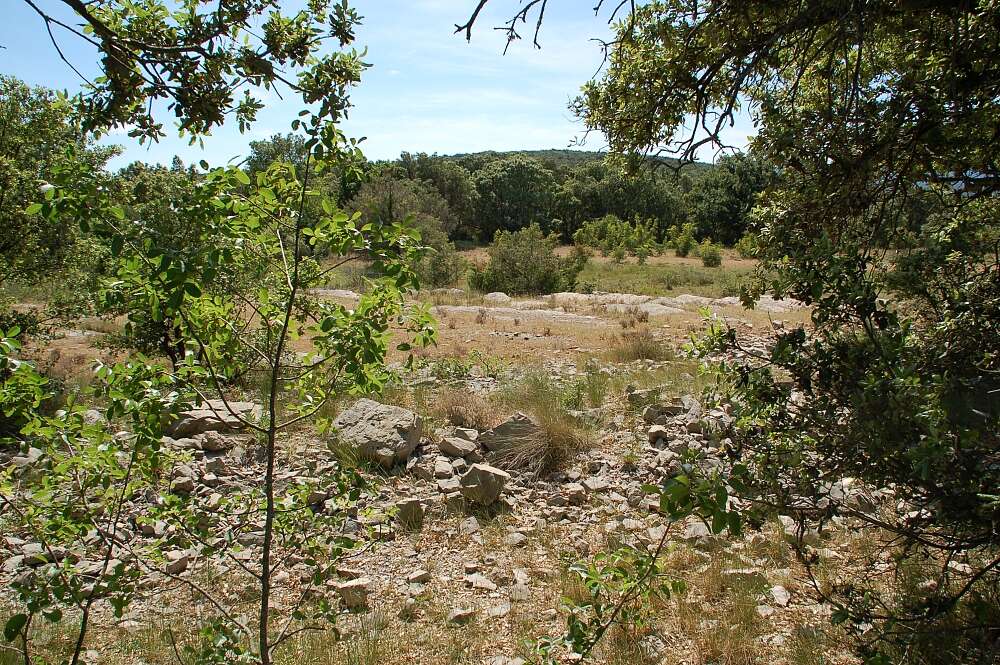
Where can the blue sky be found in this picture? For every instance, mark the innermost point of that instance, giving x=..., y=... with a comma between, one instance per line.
x=428, y=90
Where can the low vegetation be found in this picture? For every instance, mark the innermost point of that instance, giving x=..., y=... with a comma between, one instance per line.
x=524, y=262
x=208, y=455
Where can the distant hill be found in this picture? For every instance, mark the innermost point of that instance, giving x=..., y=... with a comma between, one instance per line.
x=555, y=158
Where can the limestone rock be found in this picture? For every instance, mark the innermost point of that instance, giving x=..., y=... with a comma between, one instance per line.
x=410, y=512
x=354, y=593
x=497, y=298
x=509, y=433
x=381, y=432
x=483, y=483
x=458, y=447
x=461, y=615
x=212, y=416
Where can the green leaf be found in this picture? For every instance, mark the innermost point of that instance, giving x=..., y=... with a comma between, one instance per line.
x=192, y=289
x=242, y=176
x=14, y=626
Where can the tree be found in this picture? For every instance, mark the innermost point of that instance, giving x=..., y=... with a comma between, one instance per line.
x=866, y=109
x=385, y=198
x=880, y=118
x=720, y=201
x=200, y=58
x=36, y=128
x=452, y=182
x=513, y=193
x=289, y=149
x=225, y=323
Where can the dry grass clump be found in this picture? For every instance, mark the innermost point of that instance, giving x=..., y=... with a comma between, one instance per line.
x=638, y=345
x=465, y=409
x=560, y=436
x=559, y=440
x=632, y=316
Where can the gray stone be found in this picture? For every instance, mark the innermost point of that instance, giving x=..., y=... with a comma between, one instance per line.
x=410, y=512
x=510, y=433
x=469, y=526
x=457, y=447
x=483, y=483
x=461, y=615
x=442, y=468
x=354, y=593
x=214, y=442
x=177, y=562
x=595, y=484
x=575, y=493
x=381, y=432
x=657, y=432
x=497, y=298
x=182, y=485
x=212, y=416
x=480, y=582
x=515, y=539
x=419, y=576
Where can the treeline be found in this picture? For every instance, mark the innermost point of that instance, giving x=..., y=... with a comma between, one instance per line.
x=482, y=193
x=462, y=199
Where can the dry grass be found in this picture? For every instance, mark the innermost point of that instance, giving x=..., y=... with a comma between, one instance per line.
x=465, y=409
x=559, y=441
x=561, y=437
x=633, y=316
x=638, y=345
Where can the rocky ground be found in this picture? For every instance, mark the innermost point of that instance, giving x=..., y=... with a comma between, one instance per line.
x=464, y=539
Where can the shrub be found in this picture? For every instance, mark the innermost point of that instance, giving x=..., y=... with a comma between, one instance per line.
x=746, y=247
x=711, y=255
x=561, y=436
x=682, y=238
x=524, y=262
x=618, y=237
x=441, y=265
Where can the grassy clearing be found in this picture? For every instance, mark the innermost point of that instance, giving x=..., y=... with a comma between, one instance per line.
x=664, y=279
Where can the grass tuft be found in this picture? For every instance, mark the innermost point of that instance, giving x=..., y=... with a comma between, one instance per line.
x=638, y=345
x=465, y=409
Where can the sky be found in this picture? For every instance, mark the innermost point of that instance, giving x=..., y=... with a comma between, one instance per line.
x=428, y=90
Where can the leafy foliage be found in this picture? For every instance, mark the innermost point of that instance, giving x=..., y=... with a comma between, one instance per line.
x=37, y=126
x=525, y=262
x=611, y=233
x=514, y=193
x=881, y=221
x=201, y=58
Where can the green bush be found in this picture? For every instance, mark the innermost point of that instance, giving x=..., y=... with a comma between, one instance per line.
x=441, y=265
x=617, y=237
x=682, y=238
x=746, y=247
x=711, y=255
x=524, y=262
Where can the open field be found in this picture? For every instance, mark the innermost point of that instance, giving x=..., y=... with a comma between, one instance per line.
x=569, y=362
